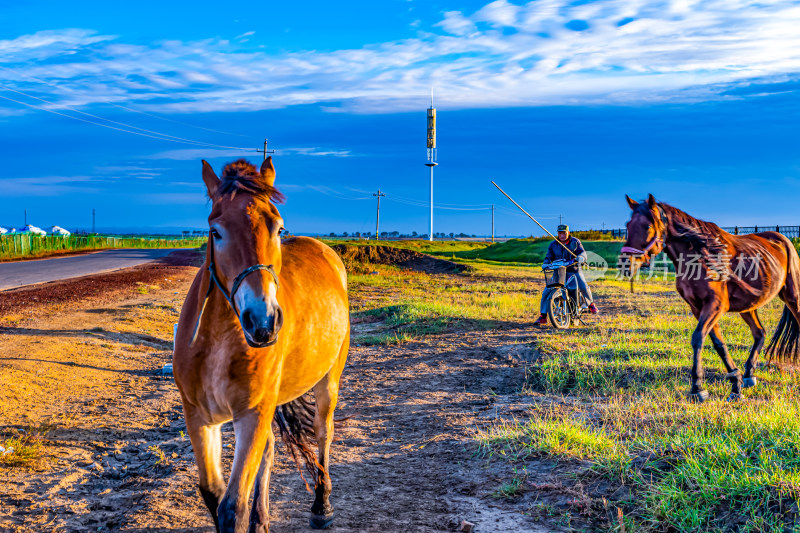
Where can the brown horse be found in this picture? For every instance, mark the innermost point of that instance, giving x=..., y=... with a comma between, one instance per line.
x=717, y=273
x=264, y=322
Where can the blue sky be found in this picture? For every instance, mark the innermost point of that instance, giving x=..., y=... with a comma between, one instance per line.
x=568, y=105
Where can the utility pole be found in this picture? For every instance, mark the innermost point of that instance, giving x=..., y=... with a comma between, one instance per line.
x=378, y=215
x=26, y=217
x=492, y=222
x=265, y=151
x=93, y=228
x=560, y=219
x=431, y=144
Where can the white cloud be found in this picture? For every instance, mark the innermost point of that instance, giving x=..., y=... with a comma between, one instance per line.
x=543, y=52
x=128, y=171
x=316, y=152
x=456, y=23
x=49, y=43
x=498, y=13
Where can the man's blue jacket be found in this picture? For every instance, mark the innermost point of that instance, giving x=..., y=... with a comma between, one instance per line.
x=556, y=252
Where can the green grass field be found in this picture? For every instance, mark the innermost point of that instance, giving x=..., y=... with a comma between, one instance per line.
x=436, y=248
x=14, y=247
x=534, y=250
x=710, y=467
x=619, y=409
x=512, y=251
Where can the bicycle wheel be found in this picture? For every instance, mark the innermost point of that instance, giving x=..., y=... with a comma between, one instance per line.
x=558, y=311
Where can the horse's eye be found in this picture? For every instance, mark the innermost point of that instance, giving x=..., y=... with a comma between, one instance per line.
x=215, y=233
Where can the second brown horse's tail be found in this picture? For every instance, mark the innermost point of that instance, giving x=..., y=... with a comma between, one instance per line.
x=295, y=421
x=785, y=342
x=784, y=347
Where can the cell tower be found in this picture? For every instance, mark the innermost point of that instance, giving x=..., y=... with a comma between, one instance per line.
x=431, y=153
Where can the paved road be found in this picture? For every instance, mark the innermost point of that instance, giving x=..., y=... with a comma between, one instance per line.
x=21, y=273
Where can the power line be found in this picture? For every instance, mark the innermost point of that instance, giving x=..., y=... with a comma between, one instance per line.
x=84, y=120
x=154, y=134
x=437, y=206
x=419, y=203
x=106, y=102
x=396, y=196
x=487, y=206
x=330, y=192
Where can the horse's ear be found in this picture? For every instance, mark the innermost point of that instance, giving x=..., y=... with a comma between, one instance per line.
x=210, y=179
x=268, y=171
x=631, y=202
x=651, y=201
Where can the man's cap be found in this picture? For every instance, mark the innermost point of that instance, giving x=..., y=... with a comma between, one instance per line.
x=563, y=227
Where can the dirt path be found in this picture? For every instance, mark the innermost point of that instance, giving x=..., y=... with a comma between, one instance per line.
x=21, y=273
x=116, y=458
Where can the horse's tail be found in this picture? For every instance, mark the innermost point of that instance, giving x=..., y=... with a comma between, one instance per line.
x=784, y=347
x=295, y=421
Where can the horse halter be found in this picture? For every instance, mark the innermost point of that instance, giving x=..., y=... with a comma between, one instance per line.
x=654, y=241
x=214, y=280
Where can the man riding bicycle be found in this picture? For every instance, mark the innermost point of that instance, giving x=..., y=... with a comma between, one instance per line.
x=557, y=252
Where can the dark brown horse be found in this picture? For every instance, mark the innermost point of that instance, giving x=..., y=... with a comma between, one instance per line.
x=264, y=322
x=717, y=273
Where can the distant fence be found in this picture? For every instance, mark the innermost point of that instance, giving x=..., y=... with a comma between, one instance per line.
x=13, y=246
x=616, y=233
x=793, y=232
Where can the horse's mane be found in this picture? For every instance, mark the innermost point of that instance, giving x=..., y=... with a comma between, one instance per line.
x=709, y=241
x=699, y=234
x=241, y=175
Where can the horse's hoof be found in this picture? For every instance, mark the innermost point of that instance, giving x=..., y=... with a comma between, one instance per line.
x=320, y=521
x=749, y=382
x=699, y=397
x=734, y=397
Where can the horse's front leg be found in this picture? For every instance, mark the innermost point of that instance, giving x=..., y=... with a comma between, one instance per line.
x=706, y=321
x=207, y=445
x=251, y=428
x=259, y=516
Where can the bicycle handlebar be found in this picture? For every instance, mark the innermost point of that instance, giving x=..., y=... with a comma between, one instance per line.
x=559, y=263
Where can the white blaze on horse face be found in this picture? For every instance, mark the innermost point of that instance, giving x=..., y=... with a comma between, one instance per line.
x=259, y=313
x=249, y=298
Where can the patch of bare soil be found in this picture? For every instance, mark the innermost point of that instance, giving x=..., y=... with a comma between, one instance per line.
x=354, y=257
x=116, y=457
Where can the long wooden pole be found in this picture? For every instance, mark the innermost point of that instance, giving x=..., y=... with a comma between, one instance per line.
x=537, y=222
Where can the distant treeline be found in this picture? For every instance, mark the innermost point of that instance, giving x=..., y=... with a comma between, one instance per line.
x=25, y=246
x=398, y=235
x=589, y=235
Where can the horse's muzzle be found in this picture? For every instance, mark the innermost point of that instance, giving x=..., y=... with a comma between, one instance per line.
x=261, y=329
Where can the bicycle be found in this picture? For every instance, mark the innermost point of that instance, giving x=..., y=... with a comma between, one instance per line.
x=566, y=304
